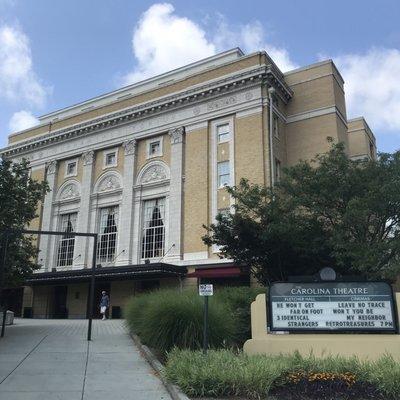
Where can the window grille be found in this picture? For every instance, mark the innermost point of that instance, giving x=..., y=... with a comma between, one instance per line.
x=223, y=174
x=154, y=148
x=223, y=133
x=70, y=168
x=153, y=235
x=108, y=229
x=276, y=126
x=110, y=159
x=66, y=244
x=277, y=170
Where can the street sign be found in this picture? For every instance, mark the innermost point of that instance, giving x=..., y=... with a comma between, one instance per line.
x=206, y=290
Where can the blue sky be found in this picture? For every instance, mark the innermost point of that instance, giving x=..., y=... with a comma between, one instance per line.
x=57, y=53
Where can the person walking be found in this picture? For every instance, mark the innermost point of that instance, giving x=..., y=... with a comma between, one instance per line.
x=104, y=304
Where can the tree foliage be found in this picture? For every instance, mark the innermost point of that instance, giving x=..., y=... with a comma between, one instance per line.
x=330, y=211
x=19, y=198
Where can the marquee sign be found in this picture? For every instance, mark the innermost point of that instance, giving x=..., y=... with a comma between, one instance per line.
x=332, y=306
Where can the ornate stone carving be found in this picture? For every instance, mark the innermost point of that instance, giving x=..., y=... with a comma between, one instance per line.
x=224, y=102
x=130, y=147
x=70, y=191
x=51, y=167
x=110, y=182
x=88, y=157
x=176, y=135
x=248, y=95
x=153, y=174
x=196, y=111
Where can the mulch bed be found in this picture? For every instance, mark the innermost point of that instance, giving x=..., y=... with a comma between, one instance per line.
x=336, y=390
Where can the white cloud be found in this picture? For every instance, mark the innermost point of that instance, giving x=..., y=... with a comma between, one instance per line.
x=251, y=37
x=372, y=85
x=163, y=41
x=22, y=120
x=18, y=81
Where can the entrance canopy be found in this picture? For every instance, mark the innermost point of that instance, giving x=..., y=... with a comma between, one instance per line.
x=142, y=271
x=217, y=271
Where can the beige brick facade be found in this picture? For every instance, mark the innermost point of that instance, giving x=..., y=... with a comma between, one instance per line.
x=173, y=162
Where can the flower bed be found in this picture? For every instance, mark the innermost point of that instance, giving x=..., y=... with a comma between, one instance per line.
x=224, y=373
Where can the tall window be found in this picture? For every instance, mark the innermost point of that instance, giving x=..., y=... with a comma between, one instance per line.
x=276, y=126
x=153, y=228
x=223, y=133
x=223, y=174
x=107, y=234
x=65, y=253
x=277, y=170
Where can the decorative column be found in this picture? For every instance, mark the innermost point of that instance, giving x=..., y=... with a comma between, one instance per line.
x=173, y=248
x=126, y=214
x=45, y=240
x=81, y=257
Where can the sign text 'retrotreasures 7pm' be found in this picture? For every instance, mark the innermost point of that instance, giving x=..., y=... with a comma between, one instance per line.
x=332, y=306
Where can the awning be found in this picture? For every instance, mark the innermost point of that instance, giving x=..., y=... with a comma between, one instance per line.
x=216, y=272
x=142, y=271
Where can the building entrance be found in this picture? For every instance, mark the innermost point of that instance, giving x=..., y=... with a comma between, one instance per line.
x=100, y=286
x=58, y=303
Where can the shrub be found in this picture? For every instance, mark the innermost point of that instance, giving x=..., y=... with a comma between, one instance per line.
x=134, y=312
x=292, y=377
x=167, y=318
x=239, y=300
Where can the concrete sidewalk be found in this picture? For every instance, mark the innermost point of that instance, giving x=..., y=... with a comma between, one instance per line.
x=51, y=360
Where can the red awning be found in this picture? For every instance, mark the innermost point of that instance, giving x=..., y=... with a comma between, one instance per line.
x=217, y=272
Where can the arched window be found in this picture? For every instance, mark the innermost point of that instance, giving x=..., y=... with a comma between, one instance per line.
x=66, y=244
x=108, y=229
x=153, y=236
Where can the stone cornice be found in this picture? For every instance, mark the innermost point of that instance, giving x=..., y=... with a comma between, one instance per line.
x=225, y=85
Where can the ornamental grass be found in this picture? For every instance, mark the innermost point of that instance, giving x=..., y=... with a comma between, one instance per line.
x=168, y=318
x=165, y=319
x=223, y=373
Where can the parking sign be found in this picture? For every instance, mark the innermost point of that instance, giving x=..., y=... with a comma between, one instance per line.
x=206, y=290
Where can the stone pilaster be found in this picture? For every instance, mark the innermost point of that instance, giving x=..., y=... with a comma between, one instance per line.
x=173, y=248
x=45, y=240
x=81, y=257
x=125, y=234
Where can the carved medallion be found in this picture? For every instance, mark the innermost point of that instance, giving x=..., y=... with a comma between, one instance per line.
x=196, y=111
x=248, y=95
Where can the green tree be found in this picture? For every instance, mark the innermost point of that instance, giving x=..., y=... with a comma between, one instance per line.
x=19, y=198
x=330, y=211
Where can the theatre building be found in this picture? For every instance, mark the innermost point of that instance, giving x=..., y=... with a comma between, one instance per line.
x=146, y=166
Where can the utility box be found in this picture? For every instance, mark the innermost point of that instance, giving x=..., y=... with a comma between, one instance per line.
x=9, y=317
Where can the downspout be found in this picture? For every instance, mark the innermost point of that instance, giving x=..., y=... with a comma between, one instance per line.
x=271, y=91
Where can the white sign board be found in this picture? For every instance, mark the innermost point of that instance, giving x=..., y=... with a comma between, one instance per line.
x=206, y=290
x=334, y=306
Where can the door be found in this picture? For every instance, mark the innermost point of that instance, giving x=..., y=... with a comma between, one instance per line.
x=100, y=286
x=59, y=302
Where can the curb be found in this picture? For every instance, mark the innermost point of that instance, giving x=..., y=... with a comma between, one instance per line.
x=173, y=390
